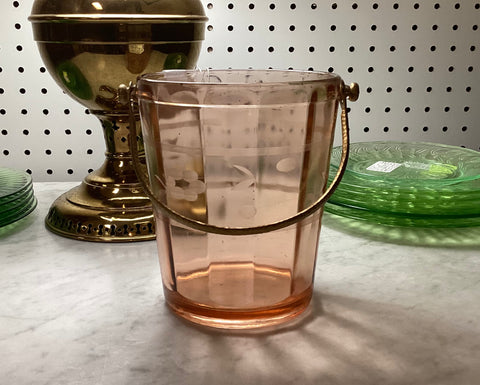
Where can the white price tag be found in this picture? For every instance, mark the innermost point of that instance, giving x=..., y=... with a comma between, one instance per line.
x=381, y=166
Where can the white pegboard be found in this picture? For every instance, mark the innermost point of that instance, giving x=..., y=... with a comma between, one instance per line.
x=417, y=63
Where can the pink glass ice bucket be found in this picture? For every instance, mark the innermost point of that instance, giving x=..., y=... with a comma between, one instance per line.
x=237, y=168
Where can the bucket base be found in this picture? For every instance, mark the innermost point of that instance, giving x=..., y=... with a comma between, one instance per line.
x=281, y=313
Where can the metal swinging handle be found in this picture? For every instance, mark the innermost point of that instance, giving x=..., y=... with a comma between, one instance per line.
x=351, y=92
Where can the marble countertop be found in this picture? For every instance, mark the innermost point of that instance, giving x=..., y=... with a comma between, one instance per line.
x=390, y=307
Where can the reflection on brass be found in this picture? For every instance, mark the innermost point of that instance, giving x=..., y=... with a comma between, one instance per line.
x=93, y=49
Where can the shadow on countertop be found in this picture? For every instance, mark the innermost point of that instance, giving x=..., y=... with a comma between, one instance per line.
x=343, y=341
x=454, y=237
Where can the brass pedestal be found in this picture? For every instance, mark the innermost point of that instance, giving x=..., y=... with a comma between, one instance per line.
x=109, y=205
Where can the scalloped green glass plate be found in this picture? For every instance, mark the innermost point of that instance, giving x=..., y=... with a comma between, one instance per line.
x=402, y=220
x=12, y=183
x=410, y=164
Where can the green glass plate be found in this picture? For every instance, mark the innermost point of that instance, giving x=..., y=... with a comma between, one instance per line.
x=420, y=204
x=18, y=204
x=13, y=182
x=402, y=220
x=462, y=198
x=21, y=213
x=464, y=189
x=409, y=164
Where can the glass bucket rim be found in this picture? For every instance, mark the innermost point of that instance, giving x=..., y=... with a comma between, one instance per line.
x=299, y=78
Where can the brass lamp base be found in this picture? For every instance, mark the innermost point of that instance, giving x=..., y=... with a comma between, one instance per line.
x=93, y=50
x=72, y=220
x=102, y=213
x=110, y=204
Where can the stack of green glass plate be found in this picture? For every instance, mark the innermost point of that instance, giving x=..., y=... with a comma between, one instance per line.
x=17, y=199
x=408, y=184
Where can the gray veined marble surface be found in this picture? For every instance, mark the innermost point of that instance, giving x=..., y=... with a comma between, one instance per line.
x=383, y=312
